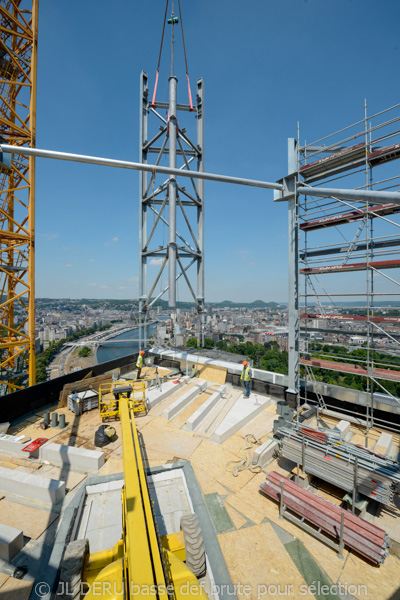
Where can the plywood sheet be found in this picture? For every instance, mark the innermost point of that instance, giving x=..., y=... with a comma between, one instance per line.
x=260, y=426
x=32, y=521
x=235, y=445
x=237, y=518
x=214, y=460
x=113, y=465
x=3, y=579
x=171, y=442
x=208, y=484
x=213, y=374
x=256, y=558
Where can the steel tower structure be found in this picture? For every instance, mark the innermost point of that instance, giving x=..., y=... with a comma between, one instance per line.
x=168, y=203
x=18, y=68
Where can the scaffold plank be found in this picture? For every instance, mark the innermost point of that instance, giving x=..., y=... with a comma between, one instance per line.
x=377, y=264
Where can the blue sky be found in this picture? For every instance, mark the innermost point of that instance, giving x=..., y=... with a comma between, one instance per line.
x=266, y=65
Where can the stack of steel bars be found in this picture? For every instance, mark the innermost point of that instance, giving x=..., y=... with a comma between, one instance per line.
x=348, y=466
x=364, y=538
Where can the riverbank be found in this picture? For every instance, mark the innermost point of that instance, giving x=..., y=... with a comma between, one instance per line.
x=123, y=344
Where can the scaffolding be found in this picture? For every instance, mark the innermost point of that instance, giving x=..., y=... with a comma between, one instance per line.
x=18, y=67
x=347, y=247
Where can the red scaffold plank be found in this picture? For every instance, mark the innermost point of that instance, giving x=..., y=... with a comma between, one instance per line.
x=377, y=264
x=350, y=217
x=330, y=317
x=369, y=549
x=331, y=365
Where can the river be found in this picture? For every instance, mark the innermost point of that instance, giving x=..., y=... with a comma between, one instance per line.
x=111, y=351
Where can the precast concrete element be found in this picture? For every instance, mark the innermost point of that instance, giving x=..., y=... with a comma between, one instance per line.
x=11, y=542
x=343, y=427
x=34, y=487
x=263, y=454
x=243, y=411
x=179, y=404
x=201, y=413
x=384, y=444
x=75, y=458
x=13, y=448
x=155, y=396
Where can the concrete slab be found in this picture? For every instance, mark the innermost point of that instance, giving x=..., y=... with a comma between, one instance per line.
x=243, y=411
x=343, y=427
x=263, y=454
x=11, y=542
x=34, y=487
x=154, y=396
x=80, y=458
x=184, y=400
x=202, y=412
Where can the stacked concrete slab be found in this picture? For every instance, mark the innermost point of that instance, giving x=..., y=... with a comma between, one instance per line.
x=184, y=400
x=33, y=487
x=154, y=395
x=243, y=411
x=75, y=458
x=11, y=542
x=201, y=413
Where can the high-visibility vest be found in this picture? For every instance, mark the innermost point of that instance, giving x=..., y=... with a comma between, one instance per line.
x=139, y=362
x=245, y=374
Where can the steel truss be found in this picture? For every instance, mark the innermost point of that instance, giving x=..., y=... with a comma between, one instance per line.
x=368, y=242
x=18, y=62
x=168, y=202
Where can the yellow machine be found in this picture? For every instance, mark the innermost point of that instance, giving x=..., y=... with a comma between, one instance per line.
x=110, y=395
x=141, y=564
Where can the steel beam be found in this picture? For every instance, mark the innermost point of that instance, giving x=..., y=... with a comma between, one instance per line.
x=126, y=164
x=293, y=304
x=172, y=254
x=361, y=195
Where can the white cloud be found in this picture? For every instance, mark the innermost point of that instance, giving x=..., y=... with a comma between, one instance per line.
x=112, y=241
x=156, y=261
x=92, y=284
x=68, y=266
x=123, y=287
x=133, y=279
x=105, y=287
x=92, y=260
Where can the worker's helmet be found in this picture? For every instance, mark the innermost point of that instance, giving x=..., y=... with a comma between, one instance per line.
x=245, y=362
x=141, y=352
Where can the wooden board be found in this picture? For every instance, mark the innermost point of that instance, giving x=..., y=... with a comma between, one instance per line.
x=32, y=521
x=214, y=374
x=257, y=558
x=160, y=438
x=237, y=518
x=16, y=589
x=80, y=386
x=214, y=459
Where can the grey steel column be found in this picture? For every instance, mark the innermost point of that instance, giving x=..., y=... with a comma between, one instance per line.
x=172, y=193
x=200, y=208
x=142, y=187
x=293, y=304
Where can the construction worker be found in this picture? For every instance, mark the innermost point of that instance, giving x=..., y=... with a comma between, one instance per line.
x=139, y=363
x=246, y=377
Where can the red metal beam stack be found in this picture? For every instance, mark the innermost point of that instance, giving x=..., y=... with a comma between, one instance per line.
x=366, y=539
